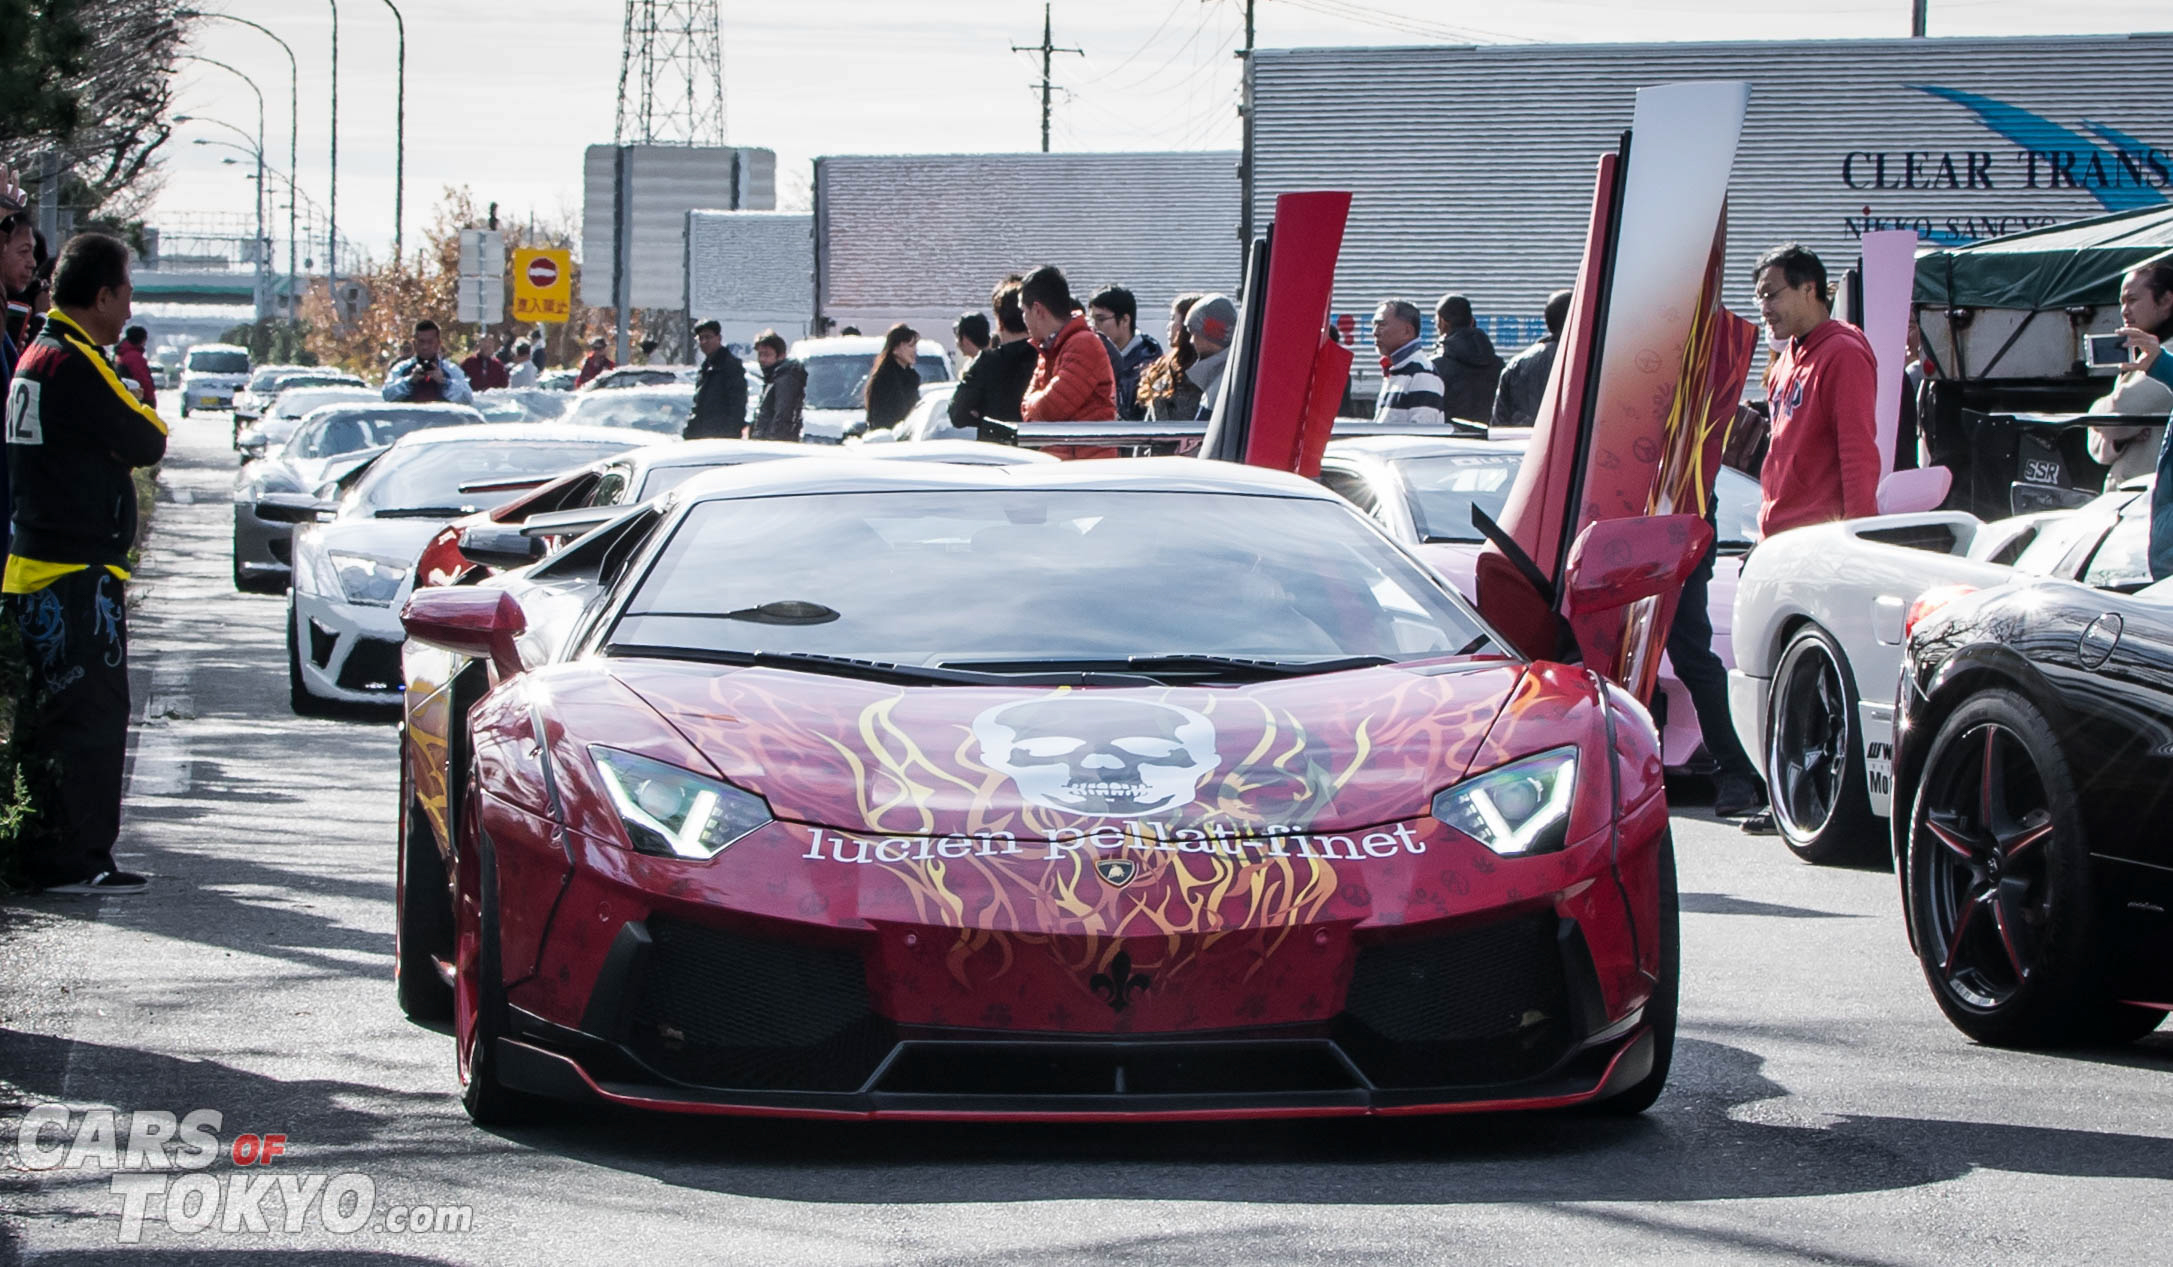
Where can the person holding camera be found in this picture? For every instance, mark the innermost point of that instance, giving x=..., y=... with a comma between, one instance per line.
x=427, y=376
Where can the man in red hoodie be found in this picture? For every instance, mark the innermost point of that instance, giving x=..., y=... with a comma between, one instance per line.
x=1822, y=462
x=1074, y=381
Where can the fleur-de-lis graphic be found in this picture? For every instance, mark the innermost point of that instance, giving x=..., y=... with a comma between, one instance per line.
x=1117, y=985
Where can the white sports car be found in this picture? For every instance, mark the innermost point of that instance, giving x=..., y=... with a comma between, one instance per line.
x=354, y=561
x=1821, y=614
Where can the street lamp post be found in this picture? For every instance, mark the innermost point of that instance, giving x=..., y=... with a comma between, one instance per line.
x=399, y=136
x=294, y=125
x=261, y=251
x=332, y=213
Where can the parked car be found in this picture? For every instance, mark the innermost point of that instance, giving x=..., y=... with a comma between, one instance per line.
x=1422, y=490
x=354, y=555
x=639, y=376
x=658, y=410
x=972, y=890
x=521, y=404
x=288, y=409
x=2030, y=766
x=837, y=379
x=210, y=375
x=1818, y=637
x=268, y=381
x=558, y=380
x=329, y=443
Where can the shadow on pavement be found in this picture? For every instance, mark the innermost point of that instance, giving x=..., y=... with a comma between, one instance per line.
x=1693, y=1146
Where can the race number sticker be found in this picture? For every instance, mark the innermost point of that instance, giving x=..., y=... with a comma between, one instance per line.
x=24, y=425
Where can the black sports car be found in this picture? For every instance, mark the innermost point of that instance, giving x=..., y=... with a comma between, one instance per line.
x=2034, y=751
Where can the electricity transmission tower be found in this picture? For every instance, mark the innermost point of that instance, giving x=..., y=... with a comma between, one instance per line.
x=1048, y=50
x=671, y=75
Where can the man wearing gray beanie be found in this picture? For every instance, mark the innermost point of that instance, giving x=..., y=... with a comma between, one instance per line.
x=1212, y=324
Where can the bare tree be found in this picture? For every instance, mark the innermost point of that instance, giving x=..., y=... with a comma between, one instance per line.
x=95, y=84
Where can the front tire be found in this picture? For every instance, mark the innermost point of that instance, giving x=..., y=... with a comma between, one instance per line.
x=423, y=915
x=1814, y=755
x=1665, y=1005
x=2000, y=900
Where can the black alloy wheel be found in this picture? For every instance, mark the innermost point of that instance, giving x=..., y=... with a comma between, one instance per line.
x=422, y=913
x=1815, y=779
x=2000, y=900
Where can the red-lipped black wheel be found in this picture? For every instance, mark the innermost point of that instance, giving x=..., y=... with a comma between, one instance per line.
x=1815, y=779
x=1999, y=898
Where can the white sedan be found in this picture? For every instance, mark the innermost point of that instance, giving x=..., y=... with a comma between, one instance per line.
x=354, y=561
x=1821, y=614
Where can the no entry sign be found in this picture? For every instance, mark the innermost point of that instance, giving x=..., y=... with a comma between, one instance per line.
x=542, y=284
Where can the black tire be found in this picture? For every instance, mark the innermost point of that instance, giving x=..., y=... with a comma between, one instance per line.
x=1666, y=1004
x=489, y=1101
x=299, y=699
x=1815, y=779
x=2001, y=904
x=422, y=916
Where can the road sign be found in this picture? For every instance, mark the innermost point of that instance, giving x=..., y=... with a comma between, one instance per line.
x=482, y=253
x=482, y=299
x=542, y=285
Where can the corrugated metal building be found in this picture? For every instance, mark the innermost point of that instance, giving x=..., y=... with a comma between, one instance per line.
x=750, y=271
x=922, y=238
x=1472, y=168
x=665, y=182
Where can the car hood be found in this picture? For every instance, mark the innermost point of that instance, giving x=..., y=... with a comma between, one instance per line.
x=1335, y=752
x=394, y=540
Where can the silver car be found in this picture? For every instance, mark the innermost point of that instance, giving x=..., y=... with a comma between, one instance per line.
x=328, y=444
x=265, y=436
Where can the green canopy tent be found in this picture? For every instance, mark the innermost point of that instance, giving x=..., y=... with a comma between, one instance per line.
x=2069, y=265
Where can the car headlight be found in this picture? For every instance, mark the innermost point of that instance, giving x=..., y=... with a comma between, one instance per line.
x=372, y=582
x=1517, y=809
x=675, y=812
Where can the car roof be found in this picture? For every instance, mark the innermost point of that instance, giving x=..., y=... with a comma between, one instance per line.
x=522, y=433
x=950, y=450
x=852, y=344
x=218, y=347
x=382, y=406
x=1393, y=448
x=715, y=451
x=873, y=475
x=636, y=393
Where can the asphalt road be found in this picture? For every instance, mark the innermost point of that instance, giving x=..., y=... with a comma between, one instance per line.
x=1821, y=1109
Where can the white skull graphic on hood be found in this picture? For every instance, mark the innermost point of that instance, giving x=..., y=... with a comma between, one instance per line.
x=1117, y=758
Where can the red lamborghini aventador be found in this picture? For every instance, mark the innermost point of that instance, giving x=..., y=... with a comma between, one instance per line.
x=1145, y=788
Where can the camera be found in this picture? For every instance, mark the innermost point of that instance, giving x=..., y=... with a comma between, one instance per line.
x=2103, y=351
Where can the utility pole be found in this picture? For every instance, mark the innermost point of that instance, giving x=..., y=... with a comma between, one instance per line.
x=1918, y=18
x=1048, y=50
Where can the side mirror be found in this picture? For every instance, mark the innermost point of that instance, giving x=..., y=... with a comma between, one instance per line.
x=1616, y=565
x=294, y=508
x=501, y=546
x=481, y=624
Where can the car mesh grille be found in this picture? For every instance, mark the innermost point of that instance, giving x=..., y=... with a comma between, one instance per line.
x=1489, y=1004
x=718, y=1009
x=372, y=665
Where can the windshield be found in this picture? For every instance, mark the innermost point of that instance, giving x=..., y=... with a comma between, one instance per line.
x=429, y=477
x=664, y=412
x=882, y=576
x=1445, y=488
x=520, y=406
x=343, y=432
x=218, y=362
x=294, y=403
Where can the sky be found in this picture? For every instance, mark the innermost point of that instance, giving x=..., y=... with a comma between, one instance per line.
x=504, y=98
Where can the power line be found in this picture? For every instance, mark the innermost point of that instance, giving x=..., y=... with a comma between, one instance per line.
x=1048, y=50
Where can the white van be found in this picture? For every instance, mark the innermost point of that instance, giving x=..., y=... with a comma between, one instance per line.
x=211, y=375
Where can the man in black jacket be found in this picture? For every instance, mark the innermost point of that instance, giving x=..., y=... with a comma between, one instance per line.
x=995, y=384
x=784, y=390
x=1524, y=379
x=1466, y=361
x=74, y=433
x=720, y=389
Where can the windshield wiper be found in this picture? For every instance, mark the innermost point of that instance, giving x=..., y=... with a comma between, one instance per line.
x=422, y=512
x=876, y=670
x=1189, y=665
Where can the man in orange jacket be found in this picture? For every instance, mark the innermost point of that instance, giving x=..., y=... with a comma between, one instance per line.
x=1074, y=381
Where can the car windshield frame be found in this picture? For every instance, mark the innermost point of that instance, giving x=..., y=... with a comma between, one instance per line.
x=672, y=401
x=1414, y=605
x=227, y=359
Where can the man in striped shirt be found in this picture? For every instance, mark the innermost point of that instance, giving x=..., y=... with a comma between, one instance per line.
x=1410, y=389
